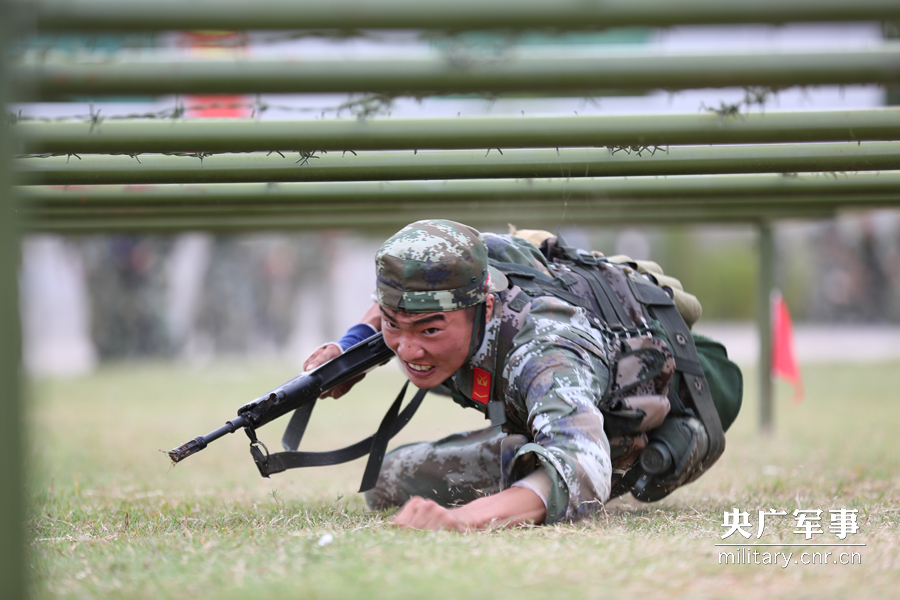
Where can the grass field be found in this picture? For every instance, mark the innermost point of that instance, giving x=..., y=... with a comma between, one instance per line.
x=109, y=517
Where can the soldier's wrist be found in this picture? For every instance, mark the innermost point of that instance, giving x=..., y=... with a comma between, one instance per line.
x=355, y=335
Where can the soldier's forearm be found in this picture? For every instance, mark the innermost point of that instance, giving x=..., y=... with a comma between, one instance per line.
x=511, y=507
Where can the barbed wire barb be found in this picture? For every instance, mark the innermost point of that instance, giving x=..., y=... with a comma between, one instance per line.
x=304, y=157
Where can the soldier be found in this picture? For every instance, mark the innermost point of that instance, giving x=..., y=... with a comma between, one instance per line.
x=454, y=323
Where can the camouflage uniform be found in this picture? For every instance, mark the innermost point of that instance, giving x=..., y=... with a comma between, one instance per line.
x=546, y=362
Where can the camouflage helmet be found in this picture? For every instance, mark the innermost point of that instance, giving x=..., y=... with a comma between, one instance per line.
x=435, y=266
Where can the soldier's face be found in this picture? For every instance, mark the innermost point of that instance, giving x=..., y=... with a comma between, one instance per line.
x=431, y=346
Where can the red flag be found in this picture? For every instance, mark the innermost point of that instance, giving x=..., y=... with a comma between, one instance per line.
x=784, y=356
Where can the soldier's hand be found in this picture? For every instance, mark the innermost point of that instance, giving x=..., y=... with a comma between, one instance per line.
x=419, y=513
x=322, y=355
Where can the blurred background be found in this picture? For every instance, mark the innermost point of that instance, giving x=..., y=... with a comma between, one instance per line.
x=196, y=297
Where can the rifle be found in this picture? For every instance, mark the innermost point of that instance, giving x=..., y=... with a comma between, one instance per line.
x=299, y=395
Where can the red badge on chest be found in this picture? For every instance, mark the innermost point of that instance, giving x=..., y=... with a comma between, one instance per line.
x=481, y=387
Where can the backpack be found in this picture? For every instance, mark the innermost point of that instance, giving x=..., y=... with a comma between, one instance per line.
x=672, y=394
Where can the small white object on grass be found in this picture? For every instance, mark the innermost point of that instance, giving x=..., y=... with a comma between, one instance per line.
x=326, y=539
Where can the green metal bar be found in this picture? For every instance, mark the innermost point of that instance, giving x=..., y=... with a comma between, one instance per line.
x=461, y=164
x=580, y=210
x=377, y=204
x=13, y=568
x=821, y=187
x=764, y=325
x=393, y=216
x=138, y=216
x=624, y=209
x=207, y=135
x=563, y=72
x=106, y=15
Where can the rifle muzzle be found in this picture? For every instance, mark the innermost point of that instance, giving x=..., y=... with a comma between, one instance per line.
x=202, y=441
x=183, y=451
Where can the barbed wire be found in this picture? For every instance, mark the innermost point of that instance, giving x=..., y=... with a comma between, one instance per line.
x=361, y=107
x=304, y=155
x=637, y=149
x=753, y=96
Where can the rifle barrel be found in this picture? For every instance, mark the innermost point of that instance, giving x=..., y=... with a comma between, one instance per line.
x=202, y=441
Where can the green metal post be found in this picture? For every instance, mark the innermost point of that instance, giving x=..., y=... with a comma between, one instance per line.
x=13, y=567
x=639, y=131
x=891, y=31
x=106, y=15
x=764, y=326
x=564, y=72
x=458, y=164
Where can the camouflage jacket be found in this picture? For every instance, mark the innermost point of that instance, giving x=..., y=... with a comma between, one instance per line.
x=550, y=367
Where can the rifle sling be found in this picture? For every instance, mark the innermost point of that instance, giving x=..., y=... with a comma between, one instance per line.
x=293, y=433
x=374, y=445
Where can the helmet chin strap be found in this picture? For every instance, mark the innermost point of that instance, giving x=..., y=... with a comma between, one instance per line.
x=478, y=329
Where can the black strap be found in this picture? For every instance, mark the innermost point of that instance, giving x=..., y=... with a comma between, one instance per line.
x=380, y=441
x=570, y=298
x=681, y=343
x=535, y=283
x=269, y=464
x=523, y=270
x=587, y=264
x=611, y=308
x=293, y=433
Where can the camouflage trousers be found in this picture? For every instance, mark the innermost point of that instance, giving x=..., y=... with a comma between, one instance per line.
x=451, y=471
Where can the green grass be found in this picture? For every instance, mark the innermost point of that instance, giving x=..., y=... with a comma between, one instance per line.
x=111, y=518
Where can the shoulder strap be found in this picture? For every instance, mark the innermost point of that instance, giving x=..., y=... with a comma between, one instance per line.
x=534, y=283
x=611, y=310
x=681, y=342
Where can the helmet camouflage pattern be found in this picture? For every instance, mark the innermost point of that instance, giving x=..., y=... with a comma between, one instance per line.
x=435, y=266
